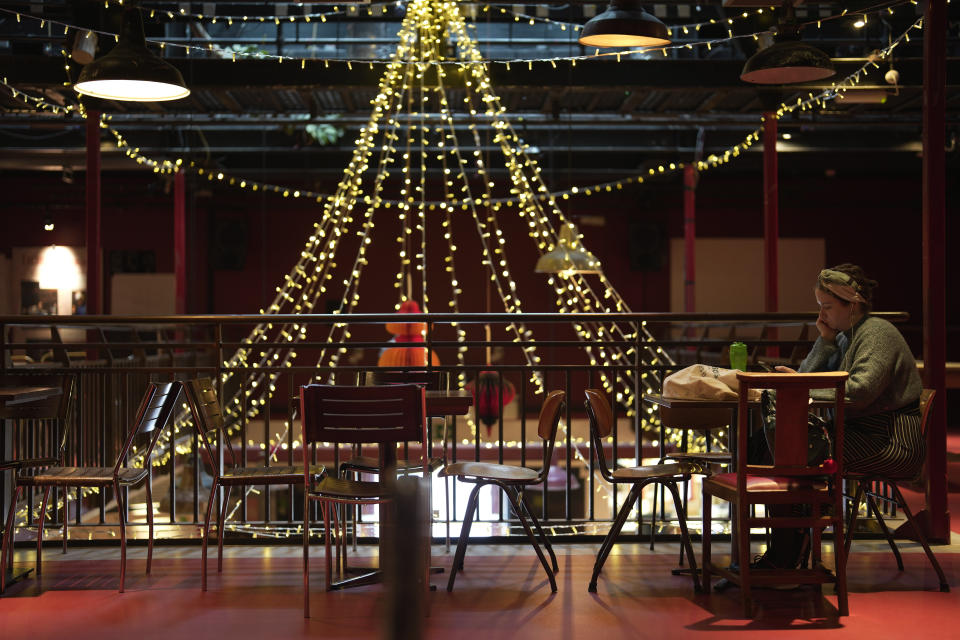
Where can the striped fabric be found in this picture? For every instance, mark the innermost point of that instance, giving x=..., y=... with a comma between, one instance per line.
x=889, y=443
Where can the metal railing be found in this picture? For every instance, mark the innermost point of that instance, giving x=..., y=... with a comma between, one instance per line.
x=259, y=363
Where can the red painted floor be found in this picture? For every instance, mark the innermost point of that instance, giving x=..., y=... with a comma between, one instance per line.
x=502, y=594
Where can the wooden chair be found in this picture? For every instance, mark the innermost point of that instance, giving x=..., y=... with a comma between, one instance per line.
x=39, y=432
x=155, y=409
x=866, y=482
x=384, y=415
x=512, y=480
x=667, y=475
x=788, y=481
x=210, y=427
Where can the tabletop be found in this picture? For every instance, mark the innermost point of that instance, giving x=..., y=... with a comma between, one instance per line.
x=11, y=396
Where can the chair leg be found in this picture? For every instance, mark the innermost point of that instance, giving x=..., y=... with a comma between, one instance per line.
x=66, y=516
x=840, y=556
x=306, y=553
x=464, y=536
x=539, y=529
x=705, y=556
x=40, y=520
x=512, y=496
x=206, y=535
x=6, y=551
x=653, y=514
x=684, y=534
x=743, y=551
x=607, y=544
x=446, y=508
x=149, y=521
x=872, y=503
x=944, y=587
x=325, y=509
x=852, y=520
x=222, y=525
x=122, y=517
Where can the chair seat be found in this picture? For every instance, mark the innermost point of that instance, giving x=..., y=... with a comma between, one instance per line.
x=269, y=475
x=667, y=470
x=70, y=476
x=490, y=471
x=369, y=464
x=767, y=483
x=331, y=487
x=708, y=456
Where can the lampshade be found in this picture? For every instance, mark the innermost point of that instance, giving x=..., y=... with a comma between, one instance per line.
x=130, y=71
x=787, y=62
x=624, y=24
x=568, y=256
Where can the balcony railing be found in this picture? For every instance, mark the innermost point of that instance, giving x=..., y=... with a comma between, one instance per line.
x=260, y=362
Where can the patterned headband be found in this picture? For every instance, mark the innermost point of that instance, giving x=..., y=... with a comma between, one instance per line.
x=841, y=285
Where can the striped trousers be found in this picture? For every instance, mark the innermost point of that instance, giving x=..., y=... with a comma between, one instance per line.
x=888, y=443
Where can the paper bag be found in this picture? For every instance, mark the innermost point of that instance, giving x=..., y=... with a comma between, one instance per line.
x=703, y=382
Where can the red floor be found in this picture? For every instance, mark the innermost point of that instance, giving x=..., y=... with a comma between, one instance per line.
x=502, y=594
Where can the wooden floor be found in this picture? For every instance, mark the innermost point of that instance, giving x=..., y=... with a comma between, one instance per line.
x=502, y=593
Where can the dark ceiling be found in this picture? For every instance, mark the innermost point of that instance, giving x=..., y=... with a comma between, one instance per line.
x=602, y=118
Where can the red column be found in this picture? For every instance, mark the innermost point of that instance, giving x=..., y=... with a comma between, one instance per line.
x=934, y=255
x=689, y=237
x=94, y=262
x=180, y=242
x=771, y=220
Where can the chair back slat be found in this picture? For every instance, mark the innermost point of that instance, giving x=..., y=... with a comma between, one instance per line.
x=432, y=380
x=547, y=428
x=154, y=413
x=208, y=421
x=601, y=425
x=336, y=413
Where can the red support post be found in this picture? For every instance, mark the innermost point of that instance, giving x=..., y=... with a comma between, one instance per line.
x=180, y=242
x=689, y=237
x=771, y=221
x=94, y=262
x=934, y=256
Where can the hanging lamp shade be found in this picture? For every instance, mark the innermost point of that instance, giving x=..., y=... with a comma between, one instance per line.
x=568, y=256
x=787, y=60
x=624, y=24
x=130, y=71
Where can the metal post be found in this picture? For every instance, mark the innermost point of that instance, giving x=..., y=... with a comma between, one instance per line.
x=934, y=256
x=94, y=271
x=771, y=220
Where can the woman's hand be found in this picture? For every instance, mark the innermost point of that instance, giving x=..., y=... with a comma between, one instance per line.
x=783, y=369
x=828, y=334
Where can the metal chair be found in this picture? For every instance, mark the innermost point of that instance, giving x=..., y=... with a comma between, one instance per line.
x=155, y=409
x=357, y=464
x=210, y=426
x=39, y=433
x=512, y=480
x=667, y=475
x=384, y=415
x=865, y=483
x=790, y=480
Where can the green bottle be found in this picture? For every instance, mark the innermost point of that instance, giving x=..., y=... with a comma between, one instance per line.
x=738, y=356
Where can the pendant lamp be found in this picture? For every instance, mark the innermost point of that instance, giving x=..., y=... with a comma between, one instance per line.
x=130, y=71
x=624, y=24
x=568, y=256
x=788, y=60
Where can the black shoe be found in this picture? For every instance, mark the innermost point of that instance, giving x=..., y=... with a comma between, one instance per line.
x=766, y=562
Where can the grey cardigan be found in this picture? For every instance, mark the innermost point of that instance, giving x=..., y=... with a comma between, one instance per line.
x=883, y=372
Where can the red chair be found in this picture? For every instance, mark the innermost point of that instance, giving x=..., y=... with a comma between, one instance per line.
x=209, y=425
x=349, y=415
x=788, y=481
x=155, y=410
x=865, y=489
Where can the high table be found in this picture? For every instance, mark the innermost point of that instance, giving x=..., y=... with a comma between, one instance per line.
x=11, y=398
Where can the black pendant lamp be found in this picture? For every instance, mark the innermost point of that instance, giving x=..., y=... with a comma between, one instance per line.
x=624, y=24
x=788, y=60
x=131, y=71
